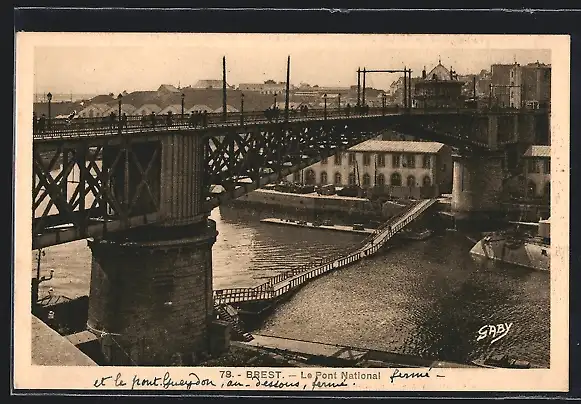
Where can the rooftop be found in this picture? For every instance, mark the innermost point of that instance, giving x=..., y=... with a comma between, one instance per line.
x=538, y=151
x=397, y=146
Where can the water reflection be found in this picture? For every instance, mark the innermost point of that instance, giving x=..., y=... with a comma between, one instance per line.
x=425, y=298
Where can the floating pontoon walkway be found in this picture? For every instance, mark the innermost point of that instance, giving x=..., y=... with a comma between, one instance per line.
x=281, y=284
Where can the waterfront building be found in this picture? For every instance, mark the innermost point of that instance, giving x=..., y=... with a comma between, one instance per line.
x=198, y=108
x=519, y=86
x=173, y=108
x=395, y=92
x=268, y=87
x=147, y=109
x=165, y=89
x=209, y=84
x=400, y=168
x=127, y=109
x=94, y=110
x=440, y=88
x=229, y=108
x=537, y=170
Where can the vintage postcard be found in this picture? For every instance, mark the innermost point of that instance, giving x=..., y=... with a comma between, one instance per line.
x=265, y=212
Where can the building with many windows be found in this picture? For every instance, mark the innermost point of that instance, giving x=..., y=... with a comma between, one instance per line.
x=517, y=86
x=440, y=88
x=390, y=165
x=538, y=172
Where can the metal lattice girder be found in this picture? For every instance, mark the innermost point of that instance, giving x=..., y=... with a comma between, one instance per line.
x=243, y=161
x=89, y=179
x=78, y=189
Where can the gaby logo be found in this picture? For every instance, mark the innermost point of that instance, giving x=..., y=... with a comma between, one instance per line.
x=495, y=332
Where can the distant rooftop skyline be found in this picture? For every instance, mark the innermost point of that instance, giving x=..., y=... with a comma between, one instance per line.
x=104, y=63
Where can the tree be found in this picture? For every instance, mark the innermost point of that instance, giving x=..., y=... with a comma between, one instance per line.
x=270, y=82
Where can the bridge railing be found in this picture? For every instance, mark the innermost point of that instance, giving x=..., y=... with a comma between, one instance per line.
x=111, y=125
x=58, y=127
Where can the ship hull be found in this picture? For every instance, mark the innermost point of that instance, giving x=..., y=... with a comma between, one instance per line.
x=527, y=254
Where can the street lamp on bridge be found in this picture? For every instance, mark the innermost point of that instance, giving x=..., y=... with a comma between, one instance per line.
x=275, y=94
x=119, y=101
x=325, y=110
x=183, y=96
x=383, y=102
x=49, y=97
x=242, y=109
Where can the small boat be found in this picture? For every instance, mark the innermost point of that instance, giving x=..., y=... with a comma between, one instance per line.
x=415, y=235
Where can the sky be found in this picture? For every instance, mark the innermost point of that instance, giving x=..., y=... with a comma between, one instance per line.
x=103, y=63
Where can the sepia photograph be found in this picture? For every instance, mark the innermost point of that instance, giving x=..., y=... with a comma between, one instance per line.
x=281, y=211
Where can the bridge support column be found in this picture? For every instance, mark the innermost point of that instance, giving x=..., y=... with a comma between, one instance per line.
x=477, y=183
x=151, y=297
x=492, y=131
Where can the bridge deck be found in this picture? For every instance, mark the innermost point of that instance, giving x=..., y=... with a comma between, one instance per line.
x=285, y=282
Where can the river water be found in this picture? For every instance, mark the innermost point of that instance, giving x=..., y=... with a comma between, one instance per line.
x=427, y=298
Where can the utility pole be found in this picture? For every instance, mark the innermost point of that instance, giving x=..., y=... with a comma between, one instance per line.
x=363, y=95
x=358, y=86
x=405, y=88
x=224, y=108
x=287, y=95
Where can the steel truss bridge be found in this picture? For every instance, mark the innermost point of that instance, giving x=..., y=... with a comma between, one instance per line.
x=95, y=176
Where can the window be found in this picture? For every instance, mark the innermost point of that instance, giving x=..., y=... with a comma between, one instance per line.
x=395, y=159
x=410, y=161
x=337, y=178
x=427, y=161
x=310, y=177
x=351, y=179
x=351, y=159
x=427, y=181
x=366, y=159
x=366, y=180
x=380, y=179
x=338, y=159
x=323, y=177
x=411, y=181
x=395, y=179
x=533, y=166
x=381, y=160
x=547, y=166
x=297, y=176
x=324, y=161
x=531, y=189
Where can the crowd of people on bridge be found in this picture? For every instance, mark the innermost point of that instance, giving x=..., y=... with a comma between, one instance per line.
x=194, y=119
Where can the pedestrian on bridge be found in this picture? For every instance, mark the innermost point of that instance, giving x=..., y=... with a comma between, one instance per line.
x=168, y=119
x=41, y=123
x=111, y=120
x=124, y=120
x=152, y=116
x=348, y=109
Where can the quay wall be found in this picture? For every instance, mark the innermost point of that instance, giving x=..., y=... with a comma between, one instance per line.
x=311, y=202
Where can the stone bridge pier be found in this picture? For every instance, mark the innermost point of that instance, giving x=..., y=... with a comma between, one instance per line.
x=151, y=287
x=477, y=183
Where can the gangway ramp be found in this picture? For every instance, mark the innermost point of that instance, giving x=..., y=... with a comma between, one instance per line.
x=281, y=284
